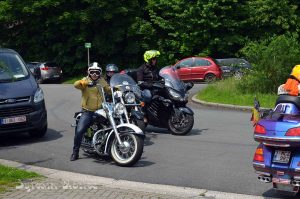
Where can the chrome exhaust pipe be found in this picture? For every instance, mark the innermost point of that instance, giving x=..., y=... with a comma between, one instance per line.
x=296, y=183
x=268, y=179
x=265, y=179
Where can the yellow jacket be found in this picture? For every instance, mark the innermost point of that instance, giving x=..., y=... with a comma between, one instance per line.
x=91, y=97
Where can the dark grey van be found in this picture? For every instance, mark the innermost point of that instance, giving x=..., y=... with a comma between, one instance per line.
x=22, y=105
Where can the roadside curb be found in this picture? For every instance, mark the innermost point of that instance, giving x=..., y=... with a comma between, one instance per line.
x=229, y=106
x=182, y=192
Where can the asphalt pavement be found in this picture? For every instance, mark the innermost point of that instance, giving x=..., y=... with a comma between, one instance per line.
x=69, y=184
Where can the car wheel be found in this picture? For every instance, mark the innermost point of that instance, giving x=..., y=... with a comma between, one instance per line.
x=209, y=78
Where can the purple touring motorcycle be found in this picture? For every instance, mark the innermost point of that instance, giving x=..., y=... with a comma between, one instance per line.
x=277, y=157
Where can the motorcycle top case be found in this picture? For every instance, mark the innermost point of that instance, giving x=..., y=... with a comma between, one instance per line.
x=278, y=129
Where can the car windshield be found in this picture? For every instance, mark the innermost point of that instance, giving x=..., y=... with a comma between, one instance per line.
x=32, y=65
x=169, y=74
x=12, y=68
x=234, y=62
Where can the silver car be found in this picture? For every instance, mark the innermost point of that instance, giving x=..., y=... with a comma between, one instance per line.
x=49, y=71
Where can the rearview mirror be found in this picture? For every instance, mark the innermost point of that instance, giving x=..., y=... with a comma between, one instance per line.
x=189, y=85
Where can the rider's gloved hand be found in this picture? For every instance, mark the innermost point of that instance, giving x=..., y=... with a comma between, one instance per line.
x=84, y=83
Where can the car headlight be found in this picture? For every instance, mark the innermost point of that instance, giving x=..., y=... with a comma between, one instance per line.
x=129, y=98
x=119, y=109
x=38, y=96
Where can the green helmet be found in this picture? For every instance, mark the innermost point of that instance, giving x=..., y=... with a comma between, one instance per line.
x=150, y=54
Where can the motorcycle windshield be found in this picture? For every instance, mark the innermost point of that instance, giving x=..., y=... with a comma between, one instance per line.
x=125, y=83
x=172, y=79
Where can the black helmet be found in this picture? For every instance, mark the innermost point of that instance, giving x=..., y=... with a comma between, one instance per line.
x=110, y=70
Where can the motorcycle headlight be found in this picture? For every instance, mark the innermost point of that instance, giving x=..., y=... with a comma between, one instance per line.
x=168, y=84
x=119, y=109
x=38, y=96
x=129, y=98
x=117, y=94
x=174, y=94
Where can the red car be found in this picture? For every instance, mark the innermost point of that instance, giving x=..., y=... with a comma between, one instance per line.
x=198, y=69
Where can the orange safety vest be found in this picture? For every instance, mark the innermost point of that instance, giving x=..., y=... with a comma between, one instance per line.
x=291, y=86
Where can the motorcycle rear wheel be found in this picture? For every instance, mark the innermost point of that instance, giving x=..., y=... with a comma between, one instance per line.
x=131, y=153
x=183, y=126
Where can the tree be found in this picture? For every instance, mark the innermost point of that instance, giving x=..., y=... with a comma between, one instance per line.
x=57, y=30
x=273, y=60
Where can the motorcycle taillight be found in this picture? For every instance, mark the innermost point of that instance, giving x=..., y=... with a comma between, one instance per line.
x=259, y=129
x=293, y=132
x=259, y=155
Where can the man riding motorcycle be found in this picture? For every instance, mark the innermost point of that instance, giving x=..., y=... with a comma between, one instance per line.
x=110, y=70
x=92, y=99
x=148, y=72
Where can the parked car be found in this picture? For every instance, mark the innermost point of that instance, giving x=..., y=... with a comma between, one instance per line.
x=35, y=69
x=22, y=105
x=50, y=71
x=235, y=67
x=198, y=69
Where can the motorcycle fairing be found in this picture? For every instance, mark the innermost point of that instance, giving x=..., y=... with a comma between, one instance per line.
x=276, y=127
x=158, y=114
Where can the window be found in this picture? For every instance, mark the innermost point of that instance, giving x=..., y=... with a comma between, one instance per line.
x=202, y=62
x=11, y=67
x=185, y=63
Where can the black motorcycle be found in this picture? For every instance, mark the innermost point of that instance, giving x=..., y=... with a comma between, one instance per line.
x=167, y=106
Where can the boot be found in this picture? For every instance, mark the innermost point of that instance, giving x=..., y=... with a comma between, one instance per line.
x=74, y=156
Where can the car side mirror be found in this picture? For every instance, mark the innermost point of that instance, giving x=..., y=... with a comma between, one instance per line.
x=177, y=67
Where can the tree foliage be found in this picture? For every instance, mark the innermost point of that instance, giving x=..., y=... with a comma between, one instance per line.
x=273, y=60
x=120, y=31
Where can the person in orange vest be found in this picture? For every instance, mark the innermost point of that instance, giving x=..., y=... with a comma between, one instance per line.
x=292, y=84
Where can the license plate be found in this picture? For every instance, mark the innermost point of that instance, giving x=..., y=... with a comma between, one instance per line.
x=55, y=75
x=12, y=120
x=282, y=156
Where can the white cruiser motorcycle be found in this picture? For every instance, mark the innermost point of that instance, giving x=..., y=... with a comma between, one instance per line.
x=111, y=133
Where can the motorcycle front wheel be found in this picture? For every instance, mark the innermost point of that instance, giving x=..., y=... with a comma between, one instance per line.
x=180, y=125
x=130, y=152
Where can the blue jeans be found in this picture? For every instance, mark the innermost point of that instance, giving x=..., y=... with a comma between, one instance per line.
x=82, y=126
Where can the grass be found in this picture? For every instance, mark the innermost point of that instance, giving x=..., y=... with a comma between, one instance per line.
x=226, y=92
x=11, y=177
